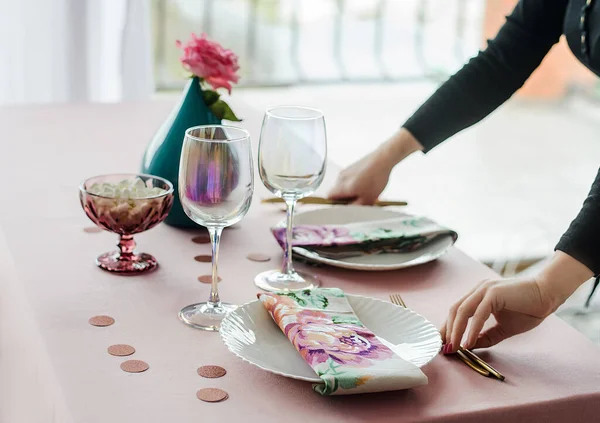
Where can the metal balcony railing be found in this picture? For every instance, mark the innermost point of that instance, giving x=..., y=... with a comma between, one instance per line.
x=287, y=42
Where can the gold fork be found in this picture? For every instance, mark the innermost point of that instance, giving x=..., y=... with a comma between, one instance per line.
x=468, y=357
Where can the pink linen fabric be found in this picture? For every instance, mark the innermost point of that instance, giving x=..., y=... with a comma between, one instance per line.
x=54, y=366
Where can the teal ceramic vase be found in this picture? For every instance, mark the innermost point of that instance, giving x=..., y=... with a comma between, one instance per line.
x=163, y=153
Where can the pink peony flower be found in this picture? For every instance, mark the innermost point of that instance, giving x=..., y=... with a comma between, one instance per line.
x=209, y=60
x=318, y=339
x=279, y=306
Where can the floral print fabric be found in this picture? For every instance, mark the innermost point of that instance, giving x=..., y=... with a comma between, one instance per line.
x=403, y=234
x=346, y=355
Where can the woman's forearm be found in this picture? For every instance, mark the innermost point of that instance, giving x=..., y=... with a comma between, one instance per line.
x=560, y=278
x=398, y=147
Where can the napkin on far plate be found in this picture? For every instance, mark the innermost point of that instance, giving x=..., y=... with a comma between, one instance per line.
x=347, y=356
x=401, y=234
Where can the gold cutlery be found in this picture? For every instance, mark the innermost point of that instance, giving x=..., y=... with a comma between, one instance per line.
x=327, y=201
x=471, y=364
x=482, y=363
x=468, y=357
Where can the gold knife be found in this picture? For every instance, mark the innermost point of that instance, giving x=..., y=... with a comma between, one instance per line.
x=474, y=357
x=471, y=364
x=327, y=201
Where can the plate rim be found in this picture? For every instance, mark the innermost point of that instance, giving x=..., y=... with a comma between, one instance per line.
x=317, y=379
x=363, y=266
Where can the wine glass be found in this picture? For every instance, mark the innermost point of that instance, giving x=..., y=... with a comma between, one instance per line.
x=292, y=157
x=216, y=182
x=126, y=204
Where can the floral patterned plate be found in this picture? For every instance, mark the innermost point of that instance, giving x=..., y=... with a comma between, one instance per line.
x=251, y=334
x=343, y=215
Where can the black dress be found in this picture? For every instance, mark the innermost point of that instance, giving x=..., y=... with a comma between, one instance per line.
x=494, y=75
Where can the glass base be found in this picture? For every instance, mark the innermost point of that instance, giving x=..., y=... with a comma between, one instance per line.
x=205, y=316
x=275, y=280
x=135, y=264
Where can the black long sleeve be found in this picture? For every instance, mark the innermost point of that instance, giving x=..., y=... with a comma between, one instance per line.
x=582, y=239
x=492, y=77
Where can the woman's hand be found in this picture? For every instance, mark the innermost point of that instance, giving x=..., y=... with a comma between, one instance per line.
x=363, y=181
x=518, y=304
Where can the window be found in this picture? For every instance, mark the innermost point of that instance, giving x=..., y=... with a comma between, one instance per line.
x=283, y=42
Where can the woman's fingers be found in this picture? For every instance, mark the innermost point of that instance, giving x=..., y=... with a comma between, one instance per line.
x=447, y=332
x=364, y=201
x=443, y=332
x=339, y=191
x=479, y=318
x=463, y=314
x=490, y=337
x=516, y=304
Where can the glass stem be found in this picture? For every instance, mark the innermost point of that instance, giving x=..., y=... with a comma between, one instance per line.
x=288, y=267
x=126, y=247
x=215, y=237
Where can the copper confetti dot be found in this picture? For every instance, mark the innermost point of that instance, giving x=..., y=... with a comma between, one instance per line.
x=121, y=350
x=212, y=372
x=212, y=395
x=201, y=239
x=258, y=257
x=134, y=366
x=203, y=258
x=92, y=229
x=208, y=278
x=101, y=321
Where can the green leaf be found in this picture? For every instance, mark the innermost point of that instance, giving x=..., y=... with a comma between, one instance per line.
x=319, y=301
x=210, y=97
x=347, y=382
x=296, y=298
x=222, y=111
x=348, y=320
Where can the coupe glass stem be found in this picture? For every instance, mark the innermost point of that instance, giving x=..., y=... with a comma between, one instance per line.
x=215, y=237
x=288, y=267
x=126, y=246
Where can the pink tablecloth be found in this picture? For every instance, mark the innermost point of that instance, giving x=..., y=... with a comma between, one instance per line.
x=54, y=366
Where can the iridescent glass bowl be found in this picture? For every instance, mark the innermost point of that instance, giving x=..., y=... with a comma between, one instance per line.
x=126, y=212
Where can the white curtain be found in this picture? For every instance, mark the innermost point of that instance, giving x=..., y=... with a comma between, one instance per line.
x=75, y=50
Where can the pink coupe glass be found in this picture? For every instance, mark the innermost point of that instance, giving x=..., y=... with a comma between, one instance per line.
x=126, y=217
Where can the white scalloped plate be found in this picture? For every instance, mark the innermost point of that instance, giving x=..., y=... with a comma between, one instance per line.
x=250, y=333
x=351, y=214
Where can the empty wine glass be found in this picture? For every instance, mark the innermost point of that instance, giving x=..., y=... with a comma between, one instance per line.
x=216, y=182
x=292, y=156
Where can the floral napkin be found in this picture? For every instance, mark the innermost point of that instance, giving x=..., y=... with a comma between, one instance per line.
x=403, y=234
x=347, y=356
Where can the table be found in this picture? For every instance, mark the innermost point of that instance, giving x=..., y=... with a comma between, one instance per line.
x=54, y=365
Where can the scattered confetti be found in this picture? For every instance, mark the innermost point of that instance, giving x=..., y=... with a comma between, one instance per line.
x=134, y=366
x=92, y=229
x=121, y=350
x=101, y=321
x=201, y=239
x=258, y=257
x=203, y=258
x=212, y=395
x=208, y=278
x=212, y=372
